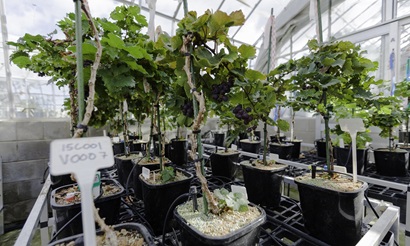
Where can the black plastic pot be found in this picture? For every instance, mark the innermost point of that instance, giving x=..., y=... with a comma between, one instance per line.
x=179, y=151
x=344, y=157
x=257, y=134
x=124, y=167
x=250, y=146
x=391, y=163
x=284, y=150
x=109, y=207
x=60, y=180
x=224, y=164
x=274, y=139
x=219, y=139
x=159, y=198
x=243, y=135
x=118, y=148
x=263, y=186
x=167, y=149
x=402, y=137
x=135, y=176
x=79, y=239
x=331, y=216
x=245, y=236
x=138, y=145
x=320, y=147
x=295, y=149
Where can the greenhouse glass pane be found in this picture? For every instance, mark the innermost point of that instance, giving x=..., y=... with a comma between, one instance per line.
x=373, y=48
x=405, y=53
x=403, y=7
x=301, y=38
x=354, y=15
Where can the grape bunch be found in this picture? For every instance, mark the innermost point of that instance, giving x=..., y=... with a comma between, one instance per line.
x=188, y=109
x=243, y=114
x=219, y=91
x=253, y=128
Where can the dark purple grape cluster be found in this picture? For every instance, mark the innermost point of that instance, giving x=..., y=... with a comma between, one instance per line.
x=41, y=74
x=253, y=128
x=219, y=91
x=243, y=114
x=188, y=109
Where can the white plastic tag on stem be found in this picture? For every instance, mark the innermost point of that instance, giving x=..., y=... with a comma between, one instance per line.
x=82, y=157
x=145, y=172
x=274, y=157
x=353, y=126
x=239, y=189
x=234, y=147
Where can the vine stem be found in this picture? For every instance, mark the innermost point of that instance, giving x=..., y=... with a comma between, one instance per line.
x=110, y=234
x=91, y=83
x=196, y=125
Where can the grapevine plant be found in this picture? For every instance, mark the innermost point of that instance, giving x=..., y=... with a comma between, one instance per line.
x=130, y=70
x=208, y=67
x=335, y=73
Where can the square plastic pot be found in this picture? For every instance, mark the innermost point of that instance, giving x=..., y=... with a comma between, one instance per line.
x=245, y=236
x=332, y=216
x=158, y=198
x=109, y=207
x=79, y=238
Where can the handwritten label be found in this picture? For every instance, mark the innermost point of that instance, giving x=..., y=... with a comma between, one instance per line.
x=234, y=147
x=74, y=154
x=274, y=157
x=239, y=189
x=340, y=169
x=145, y=172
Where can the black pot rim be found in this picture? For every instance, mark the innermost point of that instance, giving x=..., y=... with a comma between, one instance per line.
x=282, y=144
x=247, y=164
x=364, y=186
x=56, y=206
x=231, y=236
x=141, y=229
x=387, y=150
x=160, y=186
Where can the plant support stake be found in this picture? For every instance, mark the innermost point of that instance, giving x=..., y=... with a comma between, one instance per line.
x=79, y=54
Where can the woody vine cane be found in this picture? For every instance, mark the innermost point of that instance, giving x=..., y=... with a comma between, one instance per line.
x=195, y=136
x=81, y=129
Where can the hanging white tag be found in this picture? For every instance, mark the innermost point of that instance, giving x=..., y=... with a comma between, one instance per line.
x=145, y=172
x=239, y=189
x=274, y=157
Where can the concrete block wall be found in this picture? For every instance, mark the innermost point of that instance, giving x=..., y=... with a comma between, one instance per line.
x=24, y=149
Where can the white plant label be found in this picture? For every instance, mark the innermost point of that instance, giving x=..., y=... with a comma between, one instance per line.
x=76, y=154
x=83, y=157
x=234, y=147
x=116, y=139
x=145, y=172
x=274, y=157
x=341, y=143
x=239, y=189
x=340, y=169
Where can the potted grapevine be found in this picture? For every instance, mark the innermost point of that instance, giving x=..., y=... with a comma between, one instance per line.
x=330, y=73
x=262, y=93
x=205, y=59
x=342, y=142
x=386, y=114
x=402, y=91
x=55, y=58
